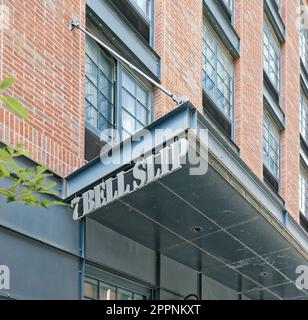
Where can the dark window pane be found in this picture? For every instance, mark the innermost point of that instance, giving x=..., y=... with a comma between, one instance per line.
x=91, y=288
x=107, y=292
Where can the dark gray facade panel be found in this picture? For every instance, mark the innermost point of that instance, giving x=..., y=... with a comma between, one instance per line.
x=178, y=278
x=275, y=19
x=37, y=271
x=54, y=225
x=213, y=13
x=213, y=290
x=126, y=35
x=110, y=249
x=274, y=108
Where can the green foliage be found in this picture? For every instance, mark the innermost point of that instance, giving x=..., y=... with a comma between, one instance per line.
x=12, y=104
x=27, y=185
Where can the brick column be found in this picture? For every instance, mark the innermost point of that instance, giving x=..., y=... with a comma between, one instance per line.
x=48, y=63
x=249, y=84
x=290, y=102
x=178, y=41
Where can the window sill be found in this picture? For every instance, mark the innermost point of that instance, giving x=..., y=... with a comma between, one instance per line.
x=303, y=221
x=271, y=181
x=272, y=12
x=271, y=87
x=219, y=21
x=217, y=116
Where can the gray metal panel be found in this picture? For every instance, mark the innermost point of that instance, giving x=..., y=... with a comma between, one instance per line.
x=213, y=290
x=53, y=225
x=38, y=271
x=111, y=249
x=222, y=26
x=274, y=108
x=126, y=35
x=175, y=122
x=275, y=19
x=178, y=277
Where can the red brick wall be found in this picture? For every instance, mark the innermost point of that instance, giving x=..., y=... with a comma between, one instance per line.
x=290, y=102
x=48, y=63
x=178, y=41
x=249, y=84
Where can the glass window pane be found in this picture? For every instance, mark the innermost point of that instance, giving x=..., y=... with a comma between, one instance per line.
x=91, y=115
x=124, y=295
x=271, y=55
x=92, y=49
x=136, y=101
x=105, y=108
x=99, y=91
x=128, y=83
x=142, y=96
x=128, y=102
x=144, y=5
x=91, y=288
x=91, y=70
x=271, y=146
x=91, y=92
x=128, y=122
x=138, y=297
x=142, y=114
x=105, y=65
x=217, y=73
x=105, y=86
x=107, y=292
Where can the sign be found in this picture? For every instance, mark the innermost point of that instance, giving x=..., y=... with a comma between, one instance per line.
x=145, y=171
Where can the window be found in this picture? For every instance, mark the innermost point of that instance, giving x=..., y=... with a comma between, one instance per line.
x=271, y=55
x=217, y=73
x=271, y=147
x=123, y=103
x=136, y=102
x=304, y=49
x=99, y=88
x=303, y=202
x=304, y=118
x=145, y=6
x=99, y=290
x=139, y=15
x=277, y=3
x=229, y=4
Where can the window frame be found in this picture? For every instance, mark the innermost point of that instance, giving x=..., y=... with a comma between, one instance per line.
x=118, y=68
x=304, y=117
x=121, y=68
x=146, y=293
x=271, y=39
x=227, y=56
x=266, y=159
x=304, y=47
x=148, y=17
x=303, y=196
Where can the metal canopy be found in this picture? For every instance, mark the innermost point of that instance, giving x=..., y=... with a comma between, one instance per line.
x=236, y=245
x=244, y=240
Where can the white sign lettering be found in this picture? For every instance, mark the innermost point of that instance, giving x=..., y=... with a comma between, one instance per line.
x=144, y=172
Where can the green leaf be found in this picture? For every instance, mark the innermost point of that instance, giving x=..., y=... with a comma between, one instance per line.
x=15, y=106
x=47, y=204
x=10, y=199
x=7, y=82
x=10, y=150
x=49, y=185
x=4, y=169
